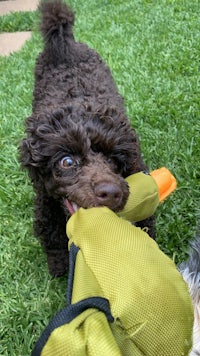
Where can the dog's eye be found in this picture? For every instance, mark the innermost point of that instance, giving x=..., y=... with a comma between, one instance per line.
x=67, y=162
x=113, y=164
x=110, y=161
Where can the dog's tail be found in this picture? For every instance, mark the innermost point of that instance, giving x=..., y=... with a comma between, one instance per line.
x=190, y=271
x=56, y=26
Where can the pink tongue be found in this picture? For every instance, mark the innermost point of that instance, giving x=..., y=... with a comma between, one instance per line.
x=69, y=206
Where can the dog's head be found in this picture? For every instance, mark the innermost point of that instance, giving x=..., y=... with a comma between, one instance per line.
x=81, y=158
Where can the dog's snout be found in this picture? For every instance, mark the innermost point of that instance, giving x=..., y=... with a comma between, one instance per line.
x=108, y=194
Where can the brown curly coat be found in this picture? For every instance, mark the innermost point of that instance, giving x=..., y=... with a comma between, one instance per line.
x=79, y=145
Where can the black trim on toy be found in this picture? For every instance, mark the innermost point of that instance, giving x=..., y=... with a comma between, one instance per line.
x=71, y=311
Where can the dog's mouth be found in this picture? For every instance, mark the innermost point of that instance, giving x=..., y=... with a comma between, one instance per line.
x=105, y=194
x=71, y=206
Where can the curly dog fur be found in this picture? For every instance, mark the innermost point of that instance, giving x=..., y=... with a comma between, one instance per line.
x=79, y=144
x=190, y=271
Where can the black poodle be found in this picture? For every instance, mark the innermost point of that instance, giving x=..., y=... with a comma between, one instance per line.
x=79, y=145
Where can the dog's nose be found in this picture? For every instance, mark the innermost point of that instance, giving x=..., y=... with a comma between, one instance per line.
x=108, y=194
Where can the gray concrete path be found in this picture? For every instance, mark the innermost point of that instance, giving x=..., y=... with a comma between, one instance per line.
x=11, y=42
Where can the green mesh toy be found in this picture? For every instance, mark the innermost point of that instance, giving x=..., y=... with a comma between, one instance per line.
x=124, y=297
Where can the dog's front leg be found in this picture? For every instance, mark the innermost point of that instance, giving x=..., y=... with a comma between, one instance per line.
x=50, y=227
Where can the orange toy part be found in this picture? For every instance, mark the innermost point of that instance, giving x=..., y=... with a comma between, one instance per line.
x=165, y=181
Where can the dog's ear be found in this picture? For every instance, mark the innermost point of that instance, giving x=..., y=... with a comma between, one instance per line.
x=29, y=154
x=30, y=158
x=31, y=147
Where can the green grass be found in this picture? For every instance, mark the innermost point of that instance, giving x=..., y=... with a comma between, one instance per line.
x=153, y=50
x=19, y=21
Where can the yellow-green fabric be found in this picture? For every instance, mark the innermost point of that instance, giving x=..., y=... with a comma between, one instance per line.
x=88, y=334
x=143, y=197
x=148, y=311
x=150, y=302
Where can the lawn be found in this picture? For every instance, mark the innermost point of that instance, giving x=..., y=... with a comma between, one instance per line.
x=153, y=50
